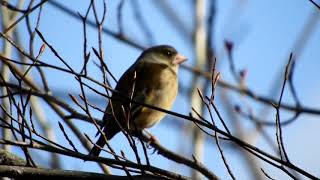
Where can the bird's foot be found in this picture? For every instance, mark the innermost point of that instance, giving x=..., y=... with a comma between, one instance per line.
x=152, y=138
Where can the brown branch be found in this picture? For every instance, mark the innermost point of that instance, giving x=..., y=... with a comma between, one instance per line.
x=36, y=173
x=258, y=98
x=11, y=7
x=93, y=24
x=85, y=157
x=180, y=159
x=24, y=15
x=8, y=158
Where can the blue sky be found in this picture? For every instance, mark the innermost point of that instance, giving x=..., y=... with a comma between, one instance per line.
x=263, y=32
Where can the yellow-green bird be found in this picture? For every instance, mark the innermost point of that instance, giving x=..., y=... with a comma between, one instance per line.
x=152, y=80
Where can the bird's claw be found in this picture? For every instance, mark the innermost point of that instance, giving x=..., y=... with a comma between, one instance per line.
x=152, y=140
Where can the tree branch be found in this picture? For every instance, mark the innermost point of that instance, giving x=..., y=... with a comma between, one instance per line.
x=32, y=173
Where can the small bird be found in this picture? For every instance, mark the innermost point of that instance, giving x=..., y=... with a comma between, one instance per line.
x=152, y=80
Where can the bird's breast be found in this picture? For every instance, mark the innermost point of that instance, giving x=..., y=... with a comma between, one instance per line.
x=161, y=92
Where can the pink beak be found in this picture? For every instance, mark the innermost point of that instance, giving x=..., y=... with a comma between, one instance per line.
x=179, y=59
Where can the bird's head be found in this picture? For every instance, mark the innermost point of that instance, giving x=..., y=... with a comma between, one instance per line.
x=164, y=55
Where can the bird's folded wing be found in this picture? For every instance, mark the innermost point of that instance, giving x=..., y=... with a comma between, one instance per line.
x=136, y=108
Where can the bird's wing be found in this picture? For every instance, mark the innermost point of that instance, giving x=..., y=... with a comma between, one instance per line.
x=136, y=108
x=119, y=100
x=137, y=89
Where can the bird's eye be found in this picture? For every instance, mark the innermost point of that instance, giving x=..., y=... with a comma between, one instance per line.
x=168, y=53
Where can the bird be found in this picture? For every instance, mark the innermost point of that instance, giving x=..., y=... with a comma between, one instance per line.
x=152, y=79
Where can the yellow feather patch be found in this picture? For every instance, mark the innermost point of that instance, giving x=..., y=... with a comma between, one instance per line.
x=143, y=109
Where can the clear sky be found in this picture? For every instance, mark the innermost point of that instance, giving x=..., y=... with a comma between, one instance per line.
x=264, y=33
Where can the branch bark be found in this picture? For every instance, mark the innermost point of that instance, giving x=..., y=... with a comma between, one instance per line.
x=36, y=173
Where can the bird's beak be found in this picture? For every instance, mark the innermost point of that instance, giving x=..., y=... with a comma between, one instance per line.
x=179, y=59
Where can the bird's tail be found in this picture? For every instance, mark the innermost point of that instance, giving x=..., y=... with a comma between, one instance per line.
x=96, y=149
